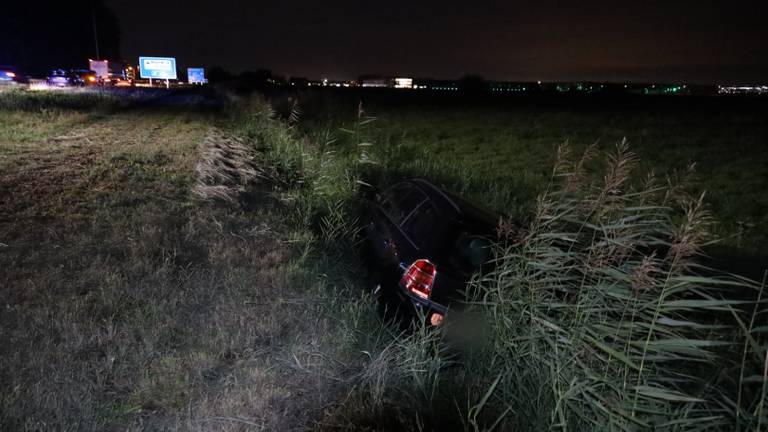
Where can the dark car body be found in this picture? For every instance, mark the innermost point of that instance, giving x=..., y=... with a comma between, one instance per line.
x=83, y=77
x=415, y=223
x=74, y=77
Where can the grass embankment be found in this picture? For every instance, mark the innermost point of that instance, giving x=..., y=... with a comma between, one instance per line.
x=128, y=303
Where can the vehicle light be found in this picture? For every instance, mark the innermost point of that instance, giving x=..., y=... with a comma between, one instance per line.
x=419, y=278
x=10, y=74
x=436, y=319
x=92, y=79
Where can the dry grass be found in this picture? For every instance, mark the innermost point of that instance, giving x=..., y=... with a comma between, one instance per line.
x=128, y=305
x=226, y=169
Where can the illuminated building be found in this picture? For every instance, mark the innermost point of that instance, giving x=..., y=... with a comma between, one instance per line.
x=403, y=83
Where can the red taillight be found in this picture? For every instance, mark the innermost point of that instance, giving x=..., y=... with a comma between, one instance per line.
x=419, y=278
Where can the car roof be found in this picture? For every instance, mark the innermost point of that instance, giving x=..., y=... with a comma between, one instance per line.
x=464, y=209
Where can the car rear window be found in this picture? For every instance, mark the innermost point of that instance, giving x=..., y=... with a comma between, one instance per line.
x=420, y=224
x=400, y=201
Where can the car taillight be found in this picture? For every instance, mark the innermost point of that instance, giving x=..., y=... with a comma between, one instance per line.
x=419, y=278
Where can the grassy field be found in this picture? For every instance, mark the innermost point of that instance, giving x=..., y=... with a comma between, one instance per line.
x=512, y=143
x=167, y=267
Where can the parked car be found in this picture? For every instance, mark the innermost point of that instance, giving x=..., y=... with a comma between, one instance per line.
x=122, y=82
x=423, y=244
x=59, y=78
x=9, y=75
x=83, y=77
x=73, y=77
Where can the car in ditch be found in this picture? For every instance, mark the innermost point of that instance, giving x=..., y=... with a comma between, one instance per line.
x=422, y=246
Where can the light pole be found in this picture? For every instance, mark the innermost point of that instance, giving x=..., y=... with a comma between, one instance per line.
x=95, y=32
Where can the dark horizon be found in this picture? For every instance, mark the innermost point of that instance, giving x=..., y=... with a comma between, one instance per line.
x=550, y=41
x=717, y=43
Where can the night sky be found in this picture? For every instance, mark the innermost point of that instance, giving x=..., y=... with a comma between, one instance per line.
x=673, y=40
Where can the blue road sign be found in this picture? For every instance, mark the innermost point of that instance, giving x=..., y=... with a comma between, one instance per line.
x=157, y=67
x=196, y=76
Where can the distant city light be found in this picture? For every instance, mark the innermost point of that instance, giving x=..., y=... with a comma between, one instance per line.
x=404, y=83
x=375, y=82
x=763, y=89
x=509, y=88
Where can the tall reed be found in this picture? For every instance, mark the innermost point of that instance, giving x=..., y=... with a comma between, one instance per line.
x=602, y=314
